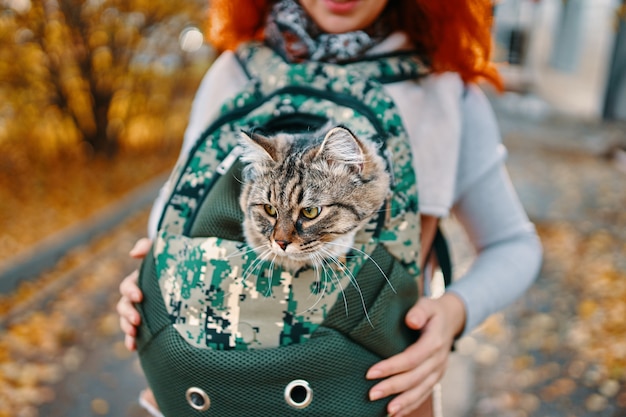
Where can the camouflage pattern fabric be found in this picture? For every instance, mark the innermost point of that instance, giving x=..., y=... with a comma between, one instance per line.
x=217, y=292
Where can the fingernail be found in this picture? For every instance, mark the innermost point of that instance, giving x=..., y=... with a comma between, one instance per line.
x=393, y=409
x=373, y=374
x=414, y=320
x=376, y=395
x=138, y=244
x=134, y=248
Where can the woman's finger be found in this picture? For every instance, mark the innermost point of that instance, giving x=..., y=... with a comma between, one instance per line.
x=130, y=343
x=410, y=400
x=404, y=361
x=126, y=309
x=128, y=328
x=421, y=313
x=404, y=381
x=417, y=318
x=129, y=287
x=128, y=312
x=426, y=346
x=141, y=248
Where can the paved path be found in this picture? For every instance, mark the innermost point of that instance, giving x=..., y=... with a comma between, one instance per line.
x=66, y=341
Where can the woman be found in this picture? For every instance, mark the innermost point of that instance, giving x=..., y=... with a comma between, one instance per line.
x=458, y=155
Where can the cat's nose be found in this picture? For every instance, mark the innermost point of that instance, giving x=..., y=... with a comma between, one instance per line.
x=282, y=243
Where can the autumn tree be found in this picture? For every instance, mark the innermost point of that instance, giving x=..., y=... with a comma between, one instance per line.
x=88, y=72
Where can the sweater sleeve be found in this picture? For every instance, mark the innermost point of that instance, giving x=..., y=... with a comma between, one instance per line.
x=222, y=81
x=508, y=250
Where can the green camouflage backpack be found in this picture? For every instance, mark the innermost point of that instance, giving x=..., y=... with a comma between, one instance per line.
x=198, y=357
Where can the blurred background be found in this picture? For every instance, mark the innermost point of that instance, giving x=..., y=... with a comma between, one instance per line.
x=95, y=96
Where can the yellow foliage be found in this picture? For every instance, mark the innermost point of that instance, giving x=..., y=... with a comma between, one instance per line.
x=81, y=64
x=120, y=105
x=54, y=33
x=126, y=35
x=142, y=130
x=102, y=59
x=56, y=133
x=98, y=38
x=175, y=124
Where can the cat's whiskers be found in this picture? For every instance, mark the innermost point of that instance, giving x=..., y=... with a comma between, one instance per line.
x=334, y=274
x=244, y=250
x=368, y=257
x=324, y=276
x=268, y=293
x=314, y=261
x=256, y=264
x=239, y=180
x=320, y=294
x=351, y=278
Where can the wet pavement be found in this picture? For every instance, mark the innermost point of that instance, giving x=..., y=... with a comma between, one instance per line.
x=560, y=351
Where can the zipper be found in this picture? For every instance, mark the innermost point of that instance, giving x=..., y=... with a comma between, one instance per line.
x=228, y=162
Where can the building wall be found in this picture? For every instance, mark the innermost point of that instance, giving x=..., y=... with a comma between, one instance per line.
x=567, y=53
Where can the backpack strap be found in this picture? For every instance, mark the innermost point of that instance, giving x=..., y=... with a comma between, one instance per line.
x=439, y=249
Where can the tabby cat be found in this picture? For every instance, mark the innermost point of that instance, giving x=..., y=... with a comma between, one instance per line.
x=305, y=196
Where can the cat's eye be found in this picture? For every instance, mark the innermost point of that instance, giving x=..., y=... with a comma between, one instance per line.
x=311, y=212
x=270, y=210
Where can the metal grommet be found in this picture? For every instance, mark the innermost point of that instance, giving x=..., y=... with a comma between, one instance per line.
x=298, y=394
x=198, y=399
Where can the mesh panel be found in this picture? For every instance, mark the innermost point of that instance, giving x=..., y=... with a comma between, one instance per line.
x=387, y=333
x=386, y=303
x=252, y=383
x=370, y=282
x=220, y=214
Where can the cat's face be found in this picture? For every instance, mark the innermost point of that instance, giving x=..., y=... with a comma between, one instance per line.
x=305, y=196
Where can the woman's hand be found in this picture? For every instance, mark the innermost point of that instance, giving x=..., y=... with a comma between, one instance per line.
x=414, y=372
x=131, y=294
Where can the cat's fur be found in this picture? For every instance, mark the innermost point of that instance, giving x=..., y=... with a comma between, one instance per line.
x=305, y=196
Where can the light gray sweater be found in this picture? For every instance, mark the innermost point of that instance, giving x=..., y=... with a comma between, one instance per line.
x=459, y=161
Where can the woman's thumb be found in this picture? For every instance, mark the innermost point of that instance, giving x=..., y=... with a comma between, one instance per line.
x=419, y=314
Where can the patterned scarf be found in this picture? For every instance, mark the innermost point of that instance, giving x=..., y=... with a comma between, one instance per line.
x=293, y=33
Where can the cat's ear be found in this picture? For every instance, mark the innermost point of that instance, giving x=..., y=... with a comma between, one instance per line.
x=340, y=145
x=257, y=148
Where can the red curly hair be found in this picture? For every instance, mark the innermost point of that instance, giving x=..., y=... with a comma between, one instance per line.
x=456, y=34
